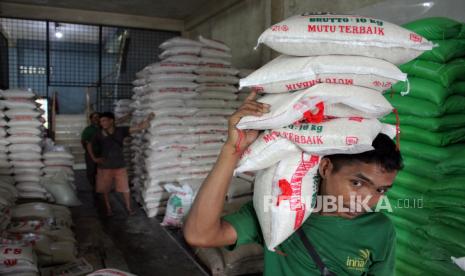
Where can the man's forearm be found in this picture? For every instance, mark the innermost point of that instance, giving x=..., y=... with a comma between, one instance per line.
x=204, y=220
x=90, y=151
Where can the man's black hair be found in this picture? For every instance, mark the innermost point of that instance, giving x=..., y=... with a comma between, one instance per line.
x=385, y=154
x=93, y=113
x=108, y=115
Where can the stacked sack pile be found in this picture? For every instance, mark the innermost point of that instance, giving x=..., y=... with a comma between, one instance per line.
x=431, y=188
x=192, y=91
x=45, y=227
x=25, y=137
x=5, y=165
x=123, y=112
x=337, y=68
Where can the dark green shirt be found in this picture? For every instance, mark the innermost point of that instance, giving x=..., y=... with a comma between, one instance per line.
x=361, y=246
x=88, y=135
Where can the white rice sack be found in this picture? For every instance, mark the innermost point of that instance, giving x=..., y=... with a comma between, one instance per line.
x=18, y=104
x=27, y=164
x=217, y=95
x=16, y=94
x=205, y=120
x=267, y=150
x=25, y=148
x=186, y=59
x=55, y=169
x=213, y=53
x=174, y=111
x=58, y=154
x=5, y=163
x=200, y=153
x=335, y=136
x=30, y=187
x=24, y=131
x=5, y=171
x=170, y=67
x=159, y=96
x=29, y=171
x=233, y=104
x=172, y=77
x=58, y=162
x=179, y=42
x=216, y=69
x=34, y=123
x=317, y=102
x=154, y=105
x=179, y=51
x=32, y=195
x=169, y=86
x=140, y=82
x=58, y=186
x=4, y=143
x=460, y=262
x=216, y=87
x=178, y=206
x=166, y=121
x=285, y=196
x=153, y=212
x=215, y=112
x=214, y=44
x=2, y=132
x=216, y=61
x=23, y=139
x=326, y=34
x=19, y=112
x=212, y=103
x=24, y=156
x=3, y=122
x=216, y=78
x=290, y=73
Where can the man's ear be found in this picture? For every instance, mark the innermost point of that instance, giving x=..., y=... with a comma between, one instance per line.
x=325, y=167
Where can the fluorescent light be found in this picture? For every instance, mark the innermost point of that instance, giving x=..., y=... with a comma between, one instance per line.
x=58, y=34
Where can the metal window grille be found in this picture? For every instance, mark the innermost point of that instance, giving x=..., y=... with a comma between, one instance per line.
x=71, y=59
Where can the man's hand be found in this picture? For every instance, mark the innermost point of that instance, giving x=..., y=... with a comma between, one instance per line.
x=250, y=107
x=99, y=160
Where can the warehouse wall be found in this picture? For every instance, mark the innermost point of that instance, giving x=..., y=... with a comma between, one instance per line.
x=240, y=26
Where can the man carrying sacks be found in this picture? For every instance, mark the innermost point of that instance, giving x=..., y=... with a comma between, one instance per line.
x=324, y=160
x=348, y=243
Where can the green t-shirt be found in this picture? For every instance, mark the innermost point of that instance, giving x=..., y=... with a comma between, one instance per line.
x=361, y=246
x=88, y=135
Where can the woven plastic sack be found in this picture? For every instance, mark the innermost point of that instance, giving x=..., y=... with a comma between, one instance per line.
x=213, y=53
x=423, y=89
x=58, y=186
x=454, y=164
x=216, y=44
x=444, y=74
x=180, y=50
x=435, y=27
x=179, y=42
x=168, y=67
x=446, y=50
x=458, y=87
x=220, y=87
x=110, y=272
x=267, y=150
x=16, y=94
x=433, y=138
x=162, y=77
x=288, y=191
x=413, y=106
x=216, y=69
x=444, y=123
x=335, y=136
x=326, y=34
x=178, y=205
x=317, y=102
x=290, y=73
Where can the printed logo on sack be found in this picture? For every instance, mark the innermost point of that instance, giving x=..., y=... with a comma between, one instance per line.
x=358, y=263
x=415, y=38
x=10, y=262
x=351, y=140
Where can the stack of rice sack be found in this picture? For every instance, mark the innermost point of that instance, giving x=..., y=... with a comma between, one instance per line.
x=58, y=177
x=8, y=196
x=191, y=91
x=430, y=189
x=337, y=68
x=123, y=110
x=45, y=227
x=5, y=165
x=17, y=259
x=25, y=136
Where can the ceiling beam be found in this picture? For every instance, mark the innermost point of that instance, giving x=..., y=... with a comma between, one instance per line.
x=208, y=11
x=89, y=17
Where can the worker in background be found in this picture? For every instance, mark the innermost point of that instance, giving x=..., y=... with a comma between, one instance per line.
x=341, y=242
x=86, y=138
x=111, y=165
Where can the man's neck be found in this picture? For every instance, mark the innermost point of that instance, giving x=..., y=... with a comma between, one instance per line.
x=110, y=130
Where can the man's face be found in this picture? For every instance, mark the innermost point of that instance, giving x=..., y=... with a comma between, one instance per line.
x=357, y=180
x=95, y=119
x=106, y=123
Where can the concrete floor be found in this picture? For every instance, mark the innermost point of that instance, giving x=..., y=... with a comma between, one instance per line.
x=132, y=243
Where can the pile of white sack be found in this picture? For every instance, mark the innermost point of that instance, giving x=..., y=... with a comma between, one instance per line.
x=123, y=109
x=17, y=259
x=45, y=227
x=8, y=196
x=192, y=91
x=24, y=139
x=336, y=67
